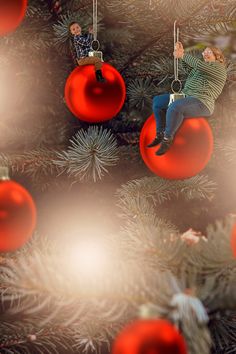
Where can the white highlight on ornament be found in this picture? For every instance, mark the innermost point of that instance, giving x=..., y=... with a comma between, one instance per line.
x=188, y=306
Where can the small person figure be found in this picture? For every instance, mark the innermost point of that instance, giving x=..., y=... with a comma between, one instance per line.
x=82, y=44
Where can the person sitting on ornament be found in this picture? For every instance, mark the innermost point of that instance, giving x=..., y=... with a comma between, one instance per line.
x=82, y=44
x=204, y=84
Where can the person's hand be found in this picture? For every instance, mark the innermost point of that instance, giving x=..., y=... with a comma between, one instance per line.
x=179, y=45
x=178, y=54
x=179, y=50
x=90, y=30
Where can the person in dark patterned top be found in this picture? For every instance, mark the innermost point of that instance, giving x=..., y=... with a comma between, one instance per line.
x=82, y=44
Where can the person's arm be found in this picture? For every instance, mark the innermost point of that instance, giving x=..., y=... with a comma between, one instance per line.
x=198, y=64
x=186, y=68
x=195, y=63
x=89, y=37
x=178, y=54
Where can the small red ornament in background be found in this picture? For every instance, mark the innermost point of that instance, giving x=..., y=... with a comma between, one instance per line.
x=92, y=101
x=17, y=214
x=149, y=337
x=188, y=155
x=55, y=7
x=12, y=13
x=233, y=240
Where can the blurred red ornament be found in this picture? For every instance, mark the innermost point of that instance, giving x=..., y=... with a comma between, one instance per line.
x=149, y=337
x=233, y=240
x=12, y=13
x=93, y=101
x=17, y=215
x=189, y=153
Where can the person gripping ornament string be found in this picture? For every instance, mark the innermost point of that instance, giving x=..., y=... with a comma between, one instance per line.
x=205, y=82
x=82, y=44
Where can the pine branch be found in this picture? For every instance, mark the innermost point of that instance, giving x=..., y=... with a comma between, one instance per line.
x=43, y=134
x=158, y=191
x=153, y=41
x=30, y=285
x=34, y=11
x=217, y=251
x=228, y=149
x=31, y=163
x=141, y=93
x=223, y=331
x=89, y=154
x=83, y=5
x=130, y=138
x=93, y=337
x=25, y=335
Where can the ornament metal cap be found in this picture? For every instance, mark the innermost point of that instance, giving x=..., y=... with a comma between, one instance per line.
x=146, y=311
x=4, y=173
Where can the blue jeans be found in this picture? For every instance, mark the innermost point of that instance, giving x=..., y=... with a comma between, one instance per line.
x=179, y=110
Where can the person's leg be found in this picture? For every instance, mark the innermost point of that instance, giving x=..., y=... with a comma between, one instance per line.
x=87, y=61
x=83, y=61
x=160, y=103
x=181, y=109
x=176, y=113
x=97, y=65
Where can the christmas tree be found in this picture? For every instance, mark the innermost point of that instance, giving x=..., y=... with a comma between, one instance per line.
x=114, y=242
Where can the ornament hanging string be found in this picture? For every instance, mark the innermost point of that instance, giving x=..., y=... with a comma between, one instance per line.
x=95, y=25
x=176, y=62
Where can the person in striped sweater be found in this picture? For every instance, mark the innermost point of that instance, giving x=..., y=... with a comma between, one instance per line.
x=204, y=84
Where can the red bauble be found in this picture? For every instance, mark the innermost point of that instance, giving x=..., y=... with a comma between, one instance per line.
x=149, y=337
x=93, y=101
x=17, y=216
x=189, y=153
x=12, y=13
x=233, y=240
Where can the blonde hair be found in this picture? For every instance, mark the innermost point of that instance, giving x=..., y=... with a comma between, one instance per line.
x=218, y=55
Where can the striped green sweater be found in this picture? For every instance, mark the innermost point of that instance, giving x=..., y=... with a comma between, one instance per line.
x=205, y=80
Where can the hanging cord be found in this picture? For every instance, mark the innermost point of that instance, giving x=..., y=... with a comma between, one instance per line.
x=176, y=62
x=95, y=19
x=95, y=25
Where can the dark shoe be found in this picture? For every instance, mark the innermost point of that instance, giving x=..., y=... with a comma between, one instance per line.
x=99, y=76
x=156, y=141
x=165, y=145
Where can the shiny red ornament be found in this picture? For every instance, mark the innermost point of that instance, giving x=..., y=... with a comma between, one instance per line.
x=233, y=240
x=188, y=155
x=149, y=337
x=17, y=215
x=92, y=101
x=12, y=13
